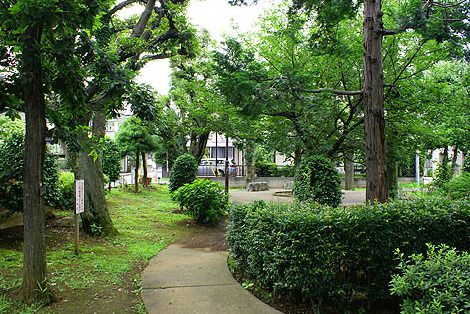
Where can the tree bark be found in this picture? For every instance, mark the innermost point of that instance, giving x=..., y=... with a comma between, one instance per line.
x=34, y=287
x=144, y=167
x=297, y=159
x=136, y=172
x=96, y=219
x=349, y=172
x=454, y=160
x=198, y=146
x=445, y=155
x=374, y=124
x=248, y=154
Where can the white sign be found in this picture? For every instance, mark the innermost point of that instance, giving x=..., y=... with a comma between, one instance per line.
x=79, y=196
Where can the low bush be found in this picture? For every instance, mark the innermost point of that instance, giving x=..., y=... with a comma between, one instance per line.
x=273, y=170
x=66, y=187
x=265, y=169
x=11, y=174
x=184, y=171
x=318, y=253
x=437, y=283
x=204, y=200
x=318, y=180
x=458, y=187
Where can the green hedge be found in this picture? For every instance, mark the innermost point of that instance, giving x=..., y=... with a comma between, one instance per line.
x=273, y=170
x=318, y=253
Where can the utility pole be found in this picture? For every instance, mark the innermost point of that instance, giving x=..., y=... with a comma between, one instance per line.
x=417, y=167
x=226, y=164
x=216, y=156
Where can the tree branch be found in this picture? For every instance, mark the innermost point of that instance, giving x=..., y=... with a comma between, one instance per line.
x=120, y=6
x=144, y=18
x=159, y=56
x=333, y=91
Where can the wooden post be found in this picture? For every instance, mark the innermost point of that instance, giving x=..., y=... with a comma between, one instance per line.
x=79, y=208
x=77, y=234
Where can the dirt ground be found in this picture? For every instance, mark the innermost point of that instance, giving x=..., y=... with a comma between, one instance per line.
x=243, y=196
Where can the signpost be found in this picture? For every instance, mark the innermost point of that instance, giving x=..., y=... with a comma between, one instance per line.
x=79, y=208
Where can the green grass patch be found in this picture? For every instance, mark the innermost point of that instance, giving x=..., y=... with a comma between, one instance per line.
x=146, y=224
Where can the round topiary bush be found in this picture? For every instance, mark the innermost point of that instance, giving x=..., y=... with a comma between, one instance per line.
x=184, y=171
x=204, y=200
x=318, y=180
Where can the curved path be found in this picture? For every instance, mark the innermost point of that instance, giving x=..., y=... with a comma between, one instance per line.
x=192, y=277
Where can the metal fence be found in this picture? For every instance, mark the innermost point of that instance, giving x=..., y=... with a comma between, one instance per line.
x=219, y=171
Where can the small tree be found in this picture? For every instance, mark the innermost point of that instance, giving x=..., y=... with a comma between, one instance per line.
x=184, y=171
x=111, y=160
x=134, y=138
x=317, y=180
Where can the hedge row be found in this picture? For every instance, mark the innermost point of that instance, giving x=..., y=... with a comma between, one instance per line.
x=318, y=253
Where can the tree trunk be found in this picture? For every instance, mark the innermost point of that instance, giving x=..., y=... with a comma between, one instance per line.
x=34, y=287
x=95, y=219
x=248, y=153
x=144, y=167
x=349, y=172
x=454, y=160
x=198, y=146
x=136, y=172
x=297, y=159
x=445, y=155
x=375, y=151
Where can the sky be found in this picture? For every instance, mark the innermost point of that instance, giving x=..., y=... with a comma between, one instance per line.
x=218, y=17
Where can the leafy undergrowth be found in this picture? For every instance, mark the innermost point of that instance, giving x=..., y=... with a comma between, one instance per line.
x=106, y=274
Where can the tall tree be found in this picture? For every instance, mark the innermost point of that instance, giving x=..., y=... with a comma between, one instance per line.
x=114, y=52
x=41, y=32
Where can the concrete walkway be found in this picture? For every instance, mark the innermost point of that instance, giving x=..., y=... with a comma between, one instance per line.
x=243, y=196
x=192, y=277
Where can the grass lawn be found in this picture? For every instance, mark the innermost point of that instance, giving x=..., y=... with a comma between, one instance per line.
x=106, y=275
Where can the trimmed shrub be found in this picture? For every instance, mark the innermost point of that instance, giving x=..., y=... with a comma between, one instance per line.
x=285, y=171
x=318, y=180
x=184, y=171
x=437, y=283
x=458, y=187
x=265, y=169
x=318, y=253
x=66, y=187
x=11, y=174
x=273, y=170
x=204, y=200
